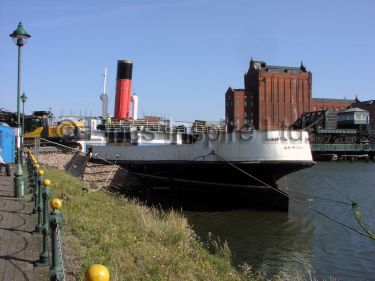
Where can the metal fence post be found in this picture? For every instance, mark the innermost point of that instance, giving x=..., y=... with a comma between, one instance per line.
x=39, y=227
x=46, y=197
x=56, y=224
x=30, y=172
x=36, y=186
x=44, y=256
x=27, y=179
x=31, y=177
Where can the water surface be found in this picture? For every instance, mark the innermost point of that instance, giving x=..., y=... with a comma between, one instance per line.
x=302, y=241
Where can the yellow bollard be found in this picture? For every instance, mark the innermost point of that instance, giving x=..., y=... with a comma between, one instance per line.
x=40, y=172
x=37, y=166
x=97, y=272
x=56, y=203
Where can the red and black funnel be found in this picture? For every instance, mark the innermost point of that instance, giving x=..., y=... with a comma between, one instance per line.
x=123, y=89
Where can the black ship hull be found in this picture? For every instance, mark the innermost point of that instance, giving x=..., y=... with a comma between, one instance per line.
x=213, y=174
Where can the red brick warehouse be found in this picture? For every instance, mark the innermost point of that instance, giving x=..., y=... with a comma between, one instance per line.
x=235, y=113
x=274, y=98
x=276, y=95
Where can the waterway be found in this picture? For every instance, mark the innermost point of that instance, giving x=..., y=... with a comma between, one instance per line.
x=302, y=242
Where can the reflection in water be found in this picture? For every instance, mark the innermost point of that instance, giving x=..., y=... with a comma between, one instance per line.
x=272, y=242
x=299, y=241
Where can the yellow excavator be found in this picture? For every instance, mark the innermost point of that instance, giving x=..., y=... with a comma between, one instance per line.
x=65, y=131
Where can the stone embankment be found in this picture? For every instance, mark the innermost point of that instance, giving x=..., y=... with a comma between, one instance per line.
x=94, y=174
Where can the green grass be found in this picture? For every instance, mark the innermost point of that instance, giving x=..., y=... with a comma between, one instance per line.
x=134, y=241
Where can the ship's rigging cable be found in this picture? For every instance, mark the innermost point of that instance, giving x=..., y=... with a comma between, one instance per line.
x=365, y=234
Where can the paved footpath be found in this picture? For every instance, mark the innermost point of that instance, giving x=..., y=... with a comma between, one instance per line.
x=19, y=248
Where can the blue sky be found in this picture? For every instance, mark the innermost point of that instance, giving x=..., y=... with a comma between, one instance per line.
x=186, y=53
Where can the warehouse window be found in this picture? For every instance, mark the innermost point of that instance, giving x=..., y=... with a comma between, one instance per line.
x=275, y=70
x=293, y=71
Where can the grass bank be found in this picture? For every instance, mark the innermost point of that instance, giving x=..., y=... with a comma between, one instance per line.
x=134, y=241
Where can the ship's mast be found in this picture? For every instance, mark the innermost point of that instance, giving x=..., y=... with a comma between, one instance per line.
x=104, y=96
x=105, y=80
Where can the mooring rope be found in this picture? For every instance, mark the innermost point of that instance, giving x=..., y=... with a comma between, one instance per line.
x=321, y=198
x=313, y=196
x=109, y=175
x=355, y=206
x=365, y=234
x=334, y=186
x=358, y=216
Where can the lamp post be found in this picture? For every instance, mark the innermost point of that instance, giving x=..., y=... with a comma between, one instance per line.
x=23, y=99
x=19, y=37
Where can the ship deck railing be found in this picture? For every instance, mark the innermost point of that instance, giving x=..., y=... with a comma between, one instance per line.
x=361, y=147
x=163, y=126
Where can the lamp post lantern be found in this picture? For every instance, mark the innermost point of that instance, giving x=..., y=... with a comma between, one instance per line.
x=19, y=37
x=23, y=99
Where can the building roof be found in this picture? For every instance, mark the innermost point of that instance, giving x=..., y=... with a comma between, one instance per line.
x=333, y=100
x=261, y=65
x=280, y=67
x=232, y=91
x=354, y=109
x=364, y=103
